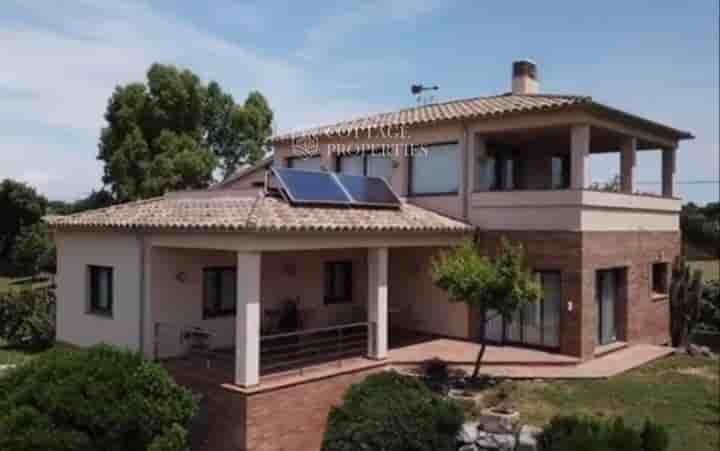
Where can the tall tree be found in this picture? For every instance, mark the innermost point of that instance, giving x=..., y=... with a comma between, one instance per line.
x=33, y=250
x=20, y=206
x=173, y=131
x=501, y=285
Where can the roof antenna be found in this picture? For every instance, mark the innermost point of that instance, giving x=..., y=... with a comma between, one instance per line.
x=418, y=89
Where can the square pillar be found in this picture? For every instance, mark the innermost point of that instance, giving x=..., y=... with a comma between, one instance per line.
x=378, y=302
x=579, y=156
x=628, y=164
x=399, y=179
x=668, y=171
x=247, y=320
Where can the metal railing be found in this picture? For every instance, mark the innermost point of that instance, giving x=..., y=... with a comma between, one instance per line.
x=192, y=343
x=306, y=348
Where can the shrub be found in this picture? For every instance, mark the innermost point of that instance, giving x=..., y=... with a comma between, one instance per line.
x=571, y=433
x=389, y=411
x=27, y=318
x=96, y=399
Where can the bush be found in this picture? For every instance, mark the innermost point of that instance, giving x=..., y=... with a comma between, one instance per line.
x=96, y=399
x=571, y=433
x=27, y=318
x=389, y=411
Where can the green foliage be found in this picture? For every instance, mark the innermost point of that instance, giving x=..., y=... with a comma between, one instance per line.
x=27, y=319
x=20, y=206
x=389, y=411
x=700, y=226
x=710, y=310
x=504, y=284
x=96, y=399
x=686, y=291
x=96, y=199
x=33, y=250
x=172, y=132
x=572, y=433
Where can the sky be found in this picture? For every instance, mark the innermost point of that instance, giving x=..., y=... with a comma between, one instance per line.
x=320, y=62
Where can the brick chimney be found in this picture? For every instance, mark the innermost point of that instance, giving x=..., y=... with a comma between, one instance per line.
x=524, y=77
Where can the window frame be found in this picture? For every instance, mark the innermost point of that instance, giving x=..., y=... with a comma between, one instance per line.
x=365, y=162
x=290, y=162
x=656, y=294
x=411, y=175
x=218, y=312
x=329, y=282
x=564, y=173
x=94, y=273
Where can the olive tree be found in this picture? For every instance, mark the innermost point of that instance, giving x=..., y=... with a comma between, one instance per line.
x=502, y=284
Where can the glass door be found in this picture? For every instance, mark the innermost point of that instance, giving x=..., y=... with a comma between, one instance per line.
x=606, y=299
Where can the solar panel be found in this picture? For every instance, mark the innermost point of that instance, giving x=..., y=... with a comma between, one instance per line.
x=311, y=187
x=369, y=191
x=328, y=188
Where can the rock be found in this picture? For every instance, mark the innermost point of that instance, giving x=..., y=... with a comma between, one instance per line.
x=468, y=447
x=706, y=352
x=527, y=438
x=680, y=351
x=488, y=441
x=498, y=422
x=694, y=350
x=468, y=432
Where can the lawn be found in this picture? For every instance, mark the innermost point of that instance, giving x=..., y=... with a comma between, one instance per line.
x=710, y=268
x=17, y=284
x=679, y=392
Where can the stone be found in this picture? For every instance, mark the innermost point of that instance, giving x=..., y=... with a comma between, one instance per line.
x=488, y=441
x=468, y=432
x=694, y=350
x=468, y=447
x=527, y=438
x=498, y=422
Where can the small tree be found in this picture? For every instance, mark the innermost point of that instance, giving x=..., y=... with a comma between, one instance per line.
x=503, y=285
x=686, y=291
x=32, y=250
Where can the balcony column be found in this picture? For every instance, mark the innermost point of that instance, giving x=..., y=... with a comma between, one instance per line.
x=669, y=161
x=378, y=302
x=247, y=320
x=628, y=164
x=579, y=156
x=399, y=179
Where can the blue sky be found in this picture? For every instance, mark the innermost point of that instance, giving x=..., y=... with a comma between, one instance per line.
x=323, y=61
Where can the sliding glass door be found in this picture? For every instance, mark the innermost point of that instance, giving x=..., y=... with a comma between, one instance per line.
x=538, y=324
x=607, y=290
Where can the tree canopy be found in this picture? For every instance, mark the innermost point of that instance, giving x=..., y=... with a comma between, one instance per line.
x=173, y=131
x=20, y=206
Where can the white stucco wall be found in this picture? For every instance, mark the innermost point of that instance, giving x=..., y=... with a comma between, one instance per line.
x=77, y=250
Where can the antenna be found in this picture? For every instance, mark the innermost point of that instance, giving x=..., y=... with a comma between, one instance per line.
x=417, y=91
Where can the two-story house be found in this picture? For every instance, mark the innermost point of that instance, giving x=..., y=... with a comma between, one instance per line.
x=277, y=277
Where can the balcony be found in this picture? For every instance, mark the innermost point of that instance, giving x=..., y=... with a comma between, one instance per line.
x=573, y=209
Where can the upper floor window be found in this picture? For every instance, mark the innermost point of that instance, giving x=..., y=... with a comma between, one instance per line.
x=338, y=282
x=307, y=163
x=100, y=299
x=366, y=164
x=435, y=171
x=498, y=171
x=560, y=178
x=219, y=291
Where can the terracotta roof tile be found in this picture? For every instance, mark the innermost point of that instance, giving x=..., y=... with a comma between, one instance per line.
x=235, y=213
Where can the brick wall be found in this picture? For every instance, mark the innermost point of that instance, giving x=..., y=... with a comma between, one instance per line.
x=578, y=255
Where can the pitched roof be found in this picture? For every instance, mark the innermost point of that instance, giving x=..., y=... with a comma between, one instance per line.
x=228, y=212
x=473, y=108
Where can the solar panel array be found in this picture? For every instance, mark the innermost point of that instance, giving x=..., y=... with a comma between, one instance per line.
x=330, y=188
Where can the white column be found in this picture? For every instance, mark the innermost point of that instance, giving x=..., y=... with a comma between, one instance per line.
x=668, y=171
x=628, y=164
x=377, y=302
x=399, y=179
x=579, y=156
x=247, y=326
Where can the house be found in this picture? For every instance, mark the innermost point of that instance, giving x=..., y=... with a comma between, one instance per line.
x=272, y=281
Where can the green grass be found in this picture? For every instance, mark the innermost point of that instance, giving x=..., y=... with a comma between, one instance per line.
x=679, y=392
x=710, y=268
x=21, y=283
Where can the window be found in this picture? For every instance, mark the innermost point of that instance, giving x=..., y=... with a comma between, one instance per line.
x=538, y=323
x=435, y=171
x=219, y=292
x=309, y=163
x=101, y=290
x=498, y=171
x=367, y=165
x=659, y=279
x=560, y=172
x=338, y=282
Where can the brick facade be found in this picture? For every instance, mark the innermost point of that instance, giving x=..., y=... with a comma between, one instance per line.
x=578, y=256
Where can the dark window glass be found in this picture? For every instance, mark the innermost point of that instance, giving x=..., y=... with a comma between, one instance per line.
x=219, y=292
x=560, y=172
x=660, y=278
x=338, y=282
x=101, y=290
